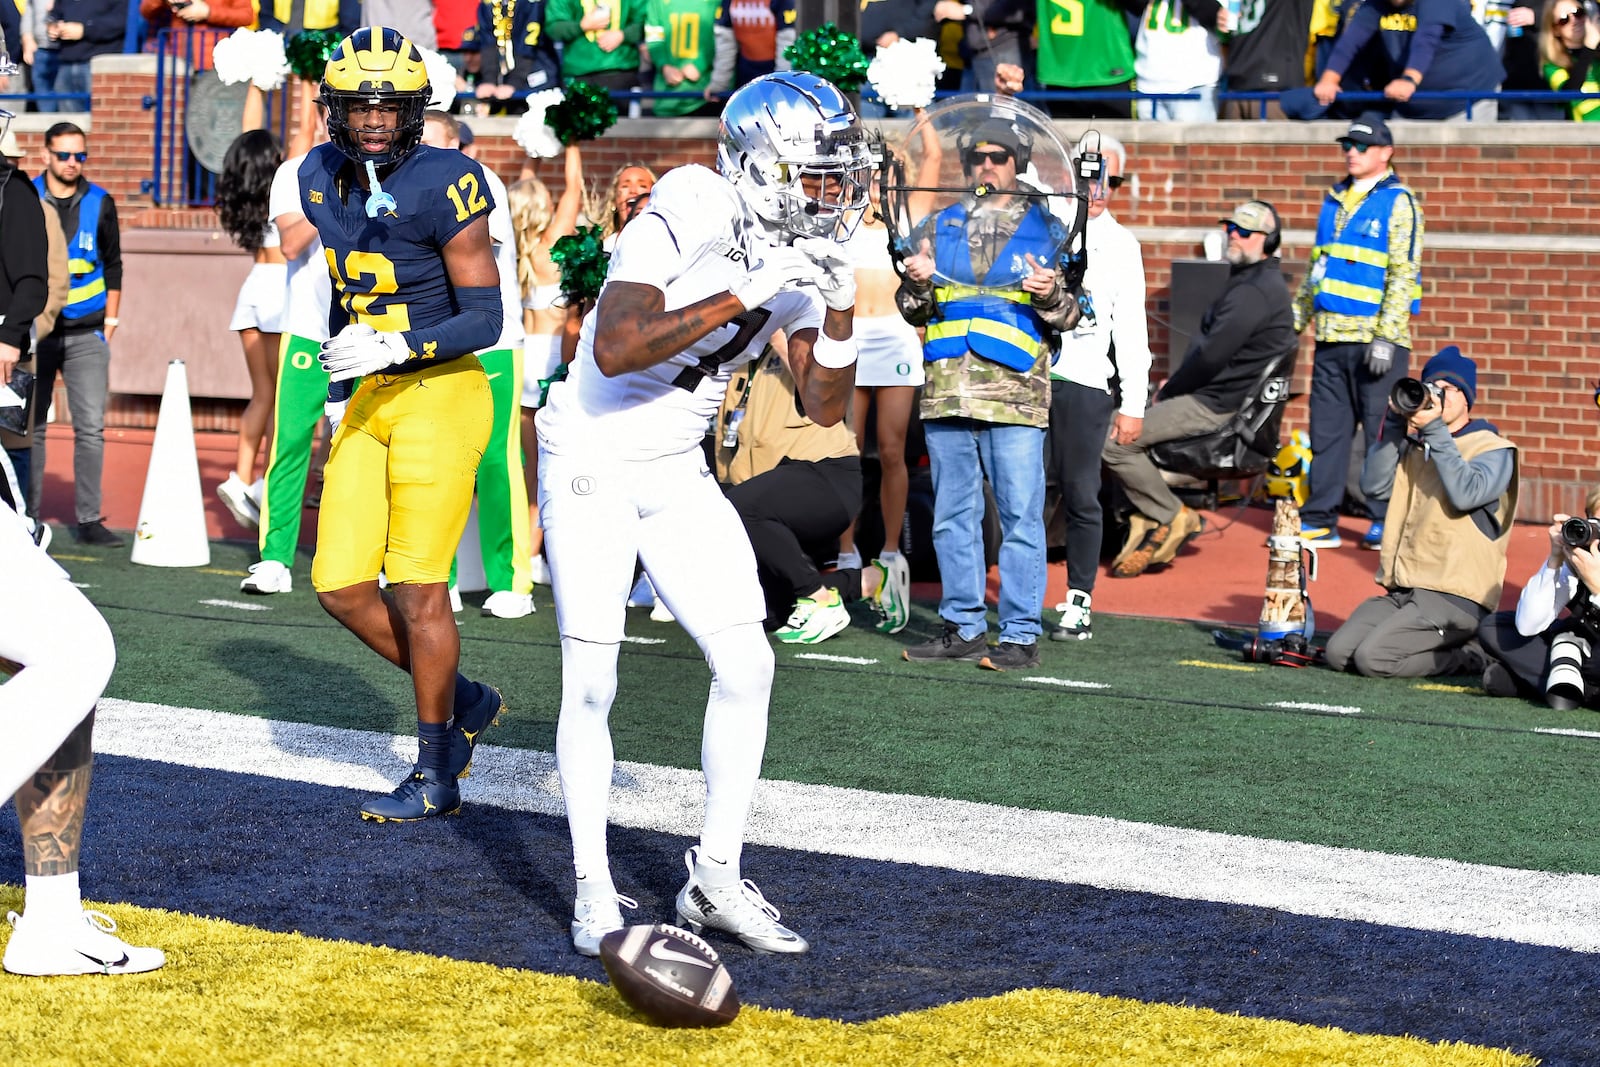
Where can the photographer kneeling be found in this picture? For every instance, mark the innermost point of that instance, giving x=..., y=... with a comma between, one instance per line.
x=1451, y=485
x=1520, y=644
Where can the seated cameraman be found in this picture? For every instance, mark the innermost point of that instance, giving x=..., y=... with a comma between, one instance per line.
x=1451, y=485
x=1519, y=643
x=1249, y=326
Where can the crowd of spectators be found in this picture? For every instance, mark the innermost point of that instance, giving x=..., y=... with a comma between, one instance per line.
x=1174, y=60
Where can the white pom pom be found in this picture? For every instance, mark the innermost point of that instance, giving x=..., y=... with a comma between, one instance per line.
x=537, y=139
x=231, y=57
x=906, y=73
x=271, y=67
x=441, y=79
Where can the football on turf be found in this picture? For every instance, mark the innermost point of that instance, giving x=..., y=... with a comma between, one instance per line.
x=669, y=976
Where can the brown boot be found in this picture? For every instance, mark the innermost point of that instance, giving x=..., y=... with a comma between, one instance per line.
x=1187, y=524
x=1136, y=562
x=1138, y=526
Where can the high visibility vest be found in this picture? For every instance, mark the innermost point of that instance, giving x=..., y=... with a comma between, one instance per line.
x=1001, y=326
x=87, y=291
x=1355, y=259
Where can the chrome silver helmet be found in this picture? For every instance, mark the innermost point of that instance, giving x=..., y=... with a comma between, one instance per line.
x=781, y=129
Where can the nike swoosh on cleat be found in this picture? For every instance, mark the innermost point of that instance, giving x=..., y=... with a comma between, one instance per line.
x=660, y=950
x=492, y=377
x=105, y=965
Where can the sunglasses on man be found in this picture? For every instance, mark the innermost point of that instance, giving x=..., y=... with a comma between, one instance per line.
x=994, y=155
x=64, y=156
x=1346, y=144
x=1235, y=230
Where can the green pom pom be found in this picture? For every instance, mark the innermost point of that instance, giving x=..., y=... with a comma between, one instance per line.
x=829, y=52
x=585, y=113
x=582, y=260
x=308, y=52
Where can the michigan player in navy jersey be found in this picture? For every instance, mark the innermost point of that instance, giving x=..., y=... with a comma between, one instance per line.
x=406, y=233
x=713, y=266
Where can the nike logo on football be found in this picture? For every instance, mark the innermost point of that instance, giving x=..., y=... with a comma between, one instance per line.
x=660, y=950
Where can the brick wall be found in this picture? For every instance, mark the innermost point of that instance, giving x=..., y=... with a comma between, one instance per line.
x=1512, y=225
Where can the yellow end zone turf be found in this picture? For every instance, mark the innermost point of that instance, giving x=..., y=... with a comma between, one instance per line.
x=232, y=994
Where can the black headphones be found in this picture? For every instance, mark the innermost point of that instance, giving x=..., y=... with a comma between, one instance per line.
x=1275, y=238
x=967, y=140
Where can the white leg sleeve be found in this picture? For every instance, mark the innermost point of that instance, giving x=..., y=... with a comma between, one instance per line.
x=64, y=648
x=583, y=751
x=735, y=733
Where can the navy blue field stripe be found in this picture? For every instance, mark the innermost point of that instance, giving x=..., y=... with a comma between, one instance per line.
x=495, y=886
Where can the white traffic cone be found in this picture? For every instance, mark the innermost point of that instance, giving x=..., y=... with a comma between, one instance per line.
x=172, y=515
x=469, y=557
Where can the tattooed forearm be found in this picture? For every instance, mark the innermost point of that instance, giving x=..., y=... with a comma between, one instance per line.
x=51, y=805
x=633, y=331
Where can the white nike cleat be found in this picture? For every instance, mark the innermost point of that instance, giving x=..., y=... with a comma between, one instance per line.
x=594, y=919
x=86, y=947
x=661, y=613
x=236, y=496
x=737, y=909
x=508, y=605
x=268, y=576
x=643, y=594
x=541, y=570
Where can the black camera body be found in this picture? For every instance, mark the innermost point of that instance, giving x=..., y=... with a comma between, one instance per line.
x=1411, y=395
x=1291, y=650
x=1579, y=532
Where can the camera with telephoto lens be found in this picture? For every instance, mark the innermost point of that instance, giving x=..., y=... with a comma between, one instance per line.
x=1411, y=395
x=1579, y=532
x=1290, y=650
x=1564, y=687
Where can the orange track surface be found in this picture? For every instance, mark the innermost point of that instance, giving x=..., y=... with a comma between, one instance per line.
x=1219, y=577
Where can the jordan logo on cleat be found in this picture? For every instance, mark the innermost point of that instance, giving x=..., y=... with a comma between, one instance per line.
x=428, y=805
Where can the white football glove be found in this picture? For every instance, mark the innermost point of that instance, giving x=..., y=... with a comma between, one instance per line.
x=779, y=268
x=360, y=350
x=334, y=410
x=838, y=283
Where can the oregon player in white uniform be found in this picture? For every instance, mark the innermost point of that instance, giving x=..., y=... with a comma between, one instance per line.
x=697, y=285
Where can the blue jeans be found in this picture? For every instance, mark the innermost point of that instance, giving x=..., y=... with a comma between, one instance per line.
x=961, y=451
x=50, y=75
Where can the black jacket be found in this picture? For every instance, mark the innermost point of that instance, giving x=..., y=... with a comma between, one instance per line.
x=1251, y=324
x=24, y=259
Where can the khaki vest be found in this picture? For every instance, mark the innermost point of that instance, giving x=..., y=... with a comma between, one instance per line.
x=1427, y=544
x=772, y=428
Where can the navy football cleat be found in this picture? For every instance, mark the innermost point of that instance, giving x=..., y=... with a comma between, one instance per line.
x=422, y=795
x=469, y=725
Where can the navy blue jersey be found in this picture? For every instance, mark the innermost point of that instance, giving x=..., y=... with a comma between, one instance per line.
x=388, y=272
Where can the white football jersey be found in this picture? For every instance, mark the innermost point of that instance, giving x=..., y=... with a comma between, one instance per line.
x=309, y=290
x=693, y=241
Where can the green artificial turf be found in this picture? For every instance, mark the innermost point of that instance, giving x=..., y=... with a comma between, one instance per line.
x=1183, y=735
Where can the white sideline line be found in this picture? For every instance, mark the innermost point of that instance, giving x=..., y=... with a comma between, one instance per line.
x=643, y=640
x=237, y=605
x=1069, y=683
x=1564, y=733
x=1337, y=709
x=1534, y=907
x=835, y=659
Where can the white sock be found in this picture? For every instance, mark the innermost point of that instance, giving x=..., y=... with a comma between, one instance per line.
x=850, y=560
x=596, y=885
x=716, y=872
x=889, y=555
x=53, y=898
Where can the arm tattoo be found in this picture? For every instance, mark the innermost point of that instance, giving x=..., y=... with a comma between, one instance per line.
x=51, y=806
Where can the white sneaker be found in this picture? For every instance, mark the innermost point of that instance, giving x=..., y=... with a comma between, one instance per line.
x=643, y=595
x=268, y=576
x=236, y=495
x=738, y=909
x=1076, y=619
x=41, y=534
x=659, y=612
x=594, y=919
x=508, y=605
x=894, y=593
x=86, y=947
x=814, y=620
x=541, y=570
x=455, y=601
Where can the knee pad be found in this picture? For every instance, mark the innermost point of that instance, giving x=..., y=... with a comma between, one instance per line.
x=741, y=660
x=588, y=675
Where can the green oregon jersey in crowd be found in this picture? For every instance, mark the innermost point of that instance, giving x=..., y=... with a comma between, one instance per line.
x=682, y=34
x=1082, y=43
